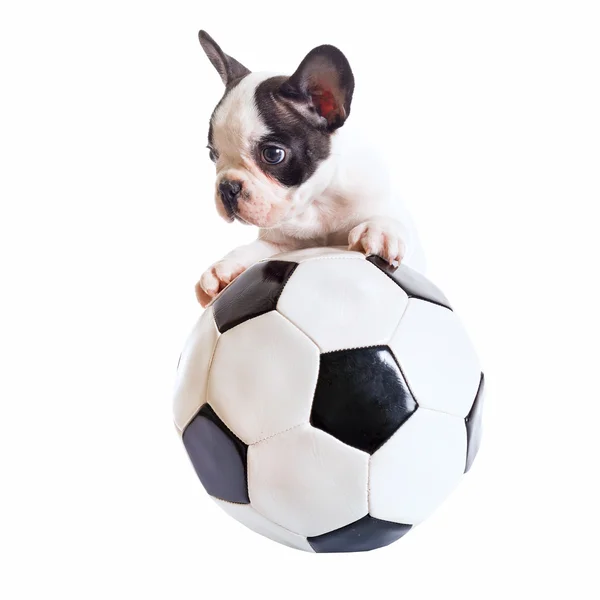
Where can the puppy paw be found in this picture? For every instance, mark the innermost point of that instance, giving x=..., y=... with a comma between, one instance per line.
x=380, y=237
x=215, y=279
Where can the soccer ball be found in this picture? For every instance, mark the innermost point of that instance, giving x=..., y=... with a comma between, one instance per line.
x=329, y=401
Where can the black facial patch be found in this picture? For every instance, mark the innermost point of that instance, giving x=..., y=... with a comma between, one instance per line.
x=306, y=145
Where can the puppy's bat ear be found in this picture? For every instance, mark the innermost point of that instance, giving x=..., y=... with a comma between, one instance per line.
x=325, y=81
x=228, y=68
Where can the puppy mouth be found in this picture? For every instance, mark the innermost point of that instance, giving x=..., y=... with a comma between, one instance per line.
x=237, y=217
x=233, y=215
x=230, y=207
x=228, y=216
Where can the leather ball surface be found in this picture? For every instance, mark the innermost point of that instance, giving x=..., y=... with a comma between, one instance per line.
x=329, y=401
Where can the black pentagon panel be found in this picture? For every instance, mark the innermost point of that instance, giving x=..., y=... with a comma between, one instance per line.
x=361, y=397
x=412, y=282
x=218, y=456
x=473, y=421
x=367, y=533
x=255, y=292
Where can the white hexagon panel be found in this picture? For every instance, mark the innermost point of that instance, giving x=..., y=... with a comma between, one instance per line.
x=193, y=369
x=342, y=303
x=263, y=376
x=437, y=358
x=418, y=467
x=307, y=481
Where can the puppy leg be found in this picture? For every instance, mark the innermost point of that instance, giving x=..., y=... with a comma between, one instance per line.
x=221, y=273
x=382, y=236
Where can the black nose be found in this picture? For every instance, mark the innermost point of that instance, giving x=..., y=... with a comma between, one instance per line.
x=230, y=191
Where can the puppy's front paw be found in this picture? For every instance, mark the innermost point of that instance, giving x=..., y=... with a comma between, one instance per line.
x=215, y=279
x=378, y=237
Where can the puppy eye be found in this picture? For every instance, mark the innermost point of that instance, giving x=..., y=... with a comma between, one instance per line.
x=212, y=154
x=273, y=155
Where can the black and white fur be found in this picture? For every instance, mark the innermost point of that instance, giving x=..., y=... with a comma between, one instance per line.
x=329, y=189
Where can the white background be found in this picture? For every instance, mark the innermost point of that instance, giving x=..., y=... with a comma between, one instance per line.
x=489, y=112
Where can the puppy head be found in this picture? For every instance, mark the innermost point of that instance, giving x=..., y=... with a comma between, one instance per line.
x=269, y=135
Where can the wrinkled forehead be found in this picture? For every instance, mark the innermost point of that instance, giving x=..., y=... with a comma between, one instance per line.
x=236, y=123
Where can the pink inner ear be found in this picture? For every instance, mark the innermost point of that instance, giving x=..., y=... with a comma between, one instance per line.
x=325, y=104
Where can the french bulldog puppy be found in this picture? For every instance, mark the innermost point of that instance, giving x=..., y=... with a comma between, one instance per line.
x=288, y=164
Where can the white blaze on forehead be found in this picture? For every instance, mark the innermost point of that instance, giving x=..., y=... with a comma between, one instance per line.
x=236, y=123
